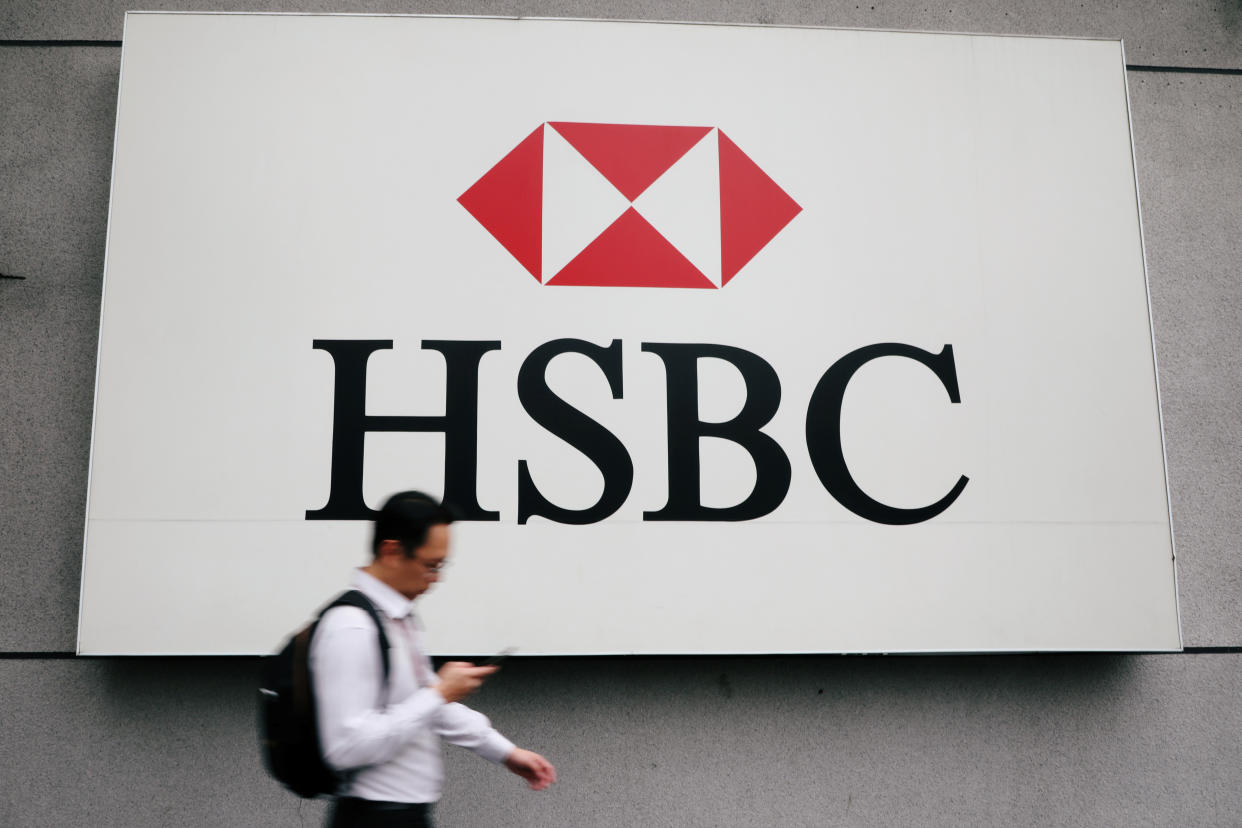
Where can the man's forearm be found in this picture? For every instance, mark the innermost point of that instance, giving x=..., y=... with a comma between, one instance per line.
x=459, y=725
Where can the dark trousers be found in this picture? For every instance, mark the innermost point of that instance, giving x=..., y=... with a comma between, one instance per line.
x=348, y=812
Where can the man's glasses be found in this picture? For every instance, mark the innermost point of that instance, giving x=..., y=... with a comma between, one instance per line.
x=434, y=568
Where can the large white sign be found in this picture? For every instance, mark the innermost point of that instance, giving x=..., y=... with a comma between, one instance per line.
x=724, y=339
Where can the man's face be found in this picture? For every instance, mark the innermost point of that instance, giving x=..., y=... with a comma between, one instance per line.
x=414, y=576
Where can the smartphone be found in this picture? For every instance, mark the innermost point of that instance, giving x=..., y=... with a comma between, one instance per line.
x=499, y=658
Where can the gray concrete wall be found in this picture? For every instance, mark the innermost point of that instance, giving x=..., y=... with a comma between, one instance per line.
x=1033, y=740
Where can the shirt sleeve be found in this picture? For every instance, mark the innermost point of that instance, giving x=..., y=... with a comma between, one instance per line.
x=459, y=725
x=355, y=729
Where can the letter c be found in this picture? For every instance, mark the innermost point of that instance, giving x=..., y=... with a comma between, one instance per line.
x=823, y=432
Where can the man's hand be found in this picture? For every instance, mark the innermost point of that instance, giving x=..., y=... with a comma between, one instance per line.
x=532, y=767
x=459, y=679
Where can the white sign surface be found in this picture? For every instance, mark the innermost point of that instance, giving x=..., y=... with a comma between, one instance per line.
x=730, y=339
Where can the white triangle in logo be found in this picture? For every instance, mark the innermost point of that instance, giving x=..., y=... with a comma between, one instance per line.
x=578, y=203
x=684, y=205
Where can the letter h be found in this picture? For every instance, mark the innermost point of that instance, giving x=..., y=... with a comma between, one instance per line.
x=351, y=423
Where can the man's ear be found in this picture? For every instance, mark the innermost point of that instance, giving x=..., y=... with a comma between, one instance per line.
x=389, y=549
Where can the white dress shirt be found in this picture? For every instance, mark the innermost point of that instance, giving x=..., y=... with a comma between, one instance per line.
x=389, y=736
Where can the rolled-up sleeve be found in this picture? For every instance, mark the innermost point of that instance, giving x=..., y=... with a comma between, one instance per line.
x=356, y=728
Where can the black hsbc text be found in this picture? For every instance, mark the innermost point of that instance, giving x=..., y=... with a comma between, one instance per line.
x=459, y=425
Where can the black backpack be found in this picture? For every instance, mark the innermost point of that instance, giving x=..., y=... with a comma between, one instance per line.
x=288, y=729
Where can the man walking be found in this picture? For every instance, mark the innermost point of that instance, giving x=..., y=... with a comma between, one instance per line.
x=385, y=736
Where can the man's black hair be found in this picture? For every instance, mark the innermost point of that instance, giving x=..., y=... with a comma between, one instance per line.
x=406, y=517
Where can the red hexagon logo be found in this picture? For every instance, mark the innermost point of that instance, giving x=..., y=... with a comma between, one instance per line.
x=627, y=205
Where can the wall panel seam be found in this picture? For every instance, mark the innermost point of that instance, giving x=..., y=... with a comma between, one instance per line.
x=116, y=44
x=1130, y=67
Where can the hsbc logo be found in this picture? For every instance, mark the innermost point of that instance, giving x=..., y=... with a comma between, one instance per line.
x=619, y=205
x=459, y=425
x=625, y=205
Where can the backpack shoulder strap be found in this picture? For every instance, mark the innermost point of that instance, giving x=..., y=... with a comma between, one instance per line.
x=355, y=598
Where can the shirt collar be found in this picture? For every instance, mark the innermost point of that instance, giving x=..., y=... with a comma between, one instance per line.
x=392, y=603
